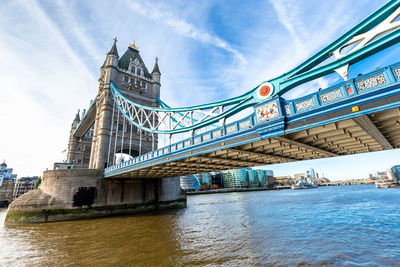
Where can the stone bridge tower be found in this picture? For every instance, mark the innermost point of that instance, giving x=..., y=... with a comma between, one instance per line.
x=131, y=76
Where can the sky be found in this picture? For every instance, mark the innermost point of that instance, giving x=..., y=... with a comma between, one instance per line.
x=210, y=50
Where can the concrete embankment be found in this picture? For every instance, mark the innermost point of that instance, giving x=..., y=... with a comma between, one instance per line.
x=83, y=193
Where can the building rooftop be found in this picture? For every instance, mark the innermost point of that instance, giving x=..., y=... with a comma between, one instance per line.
x=132, y=54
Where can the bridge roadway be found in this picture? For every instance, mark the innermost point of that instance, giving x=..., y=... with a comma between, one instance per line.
x=358, y=116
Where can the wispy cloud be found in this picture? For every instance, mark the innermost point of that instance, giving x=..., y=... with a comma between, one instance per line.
x=42, y=82
x=81, y=36
x=288, y=14
x=162, y=14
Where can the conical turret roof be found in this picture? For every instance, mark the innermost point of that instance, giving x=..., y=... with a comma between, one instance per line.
x=114, y=50
x=156, y=69
x=77, y=117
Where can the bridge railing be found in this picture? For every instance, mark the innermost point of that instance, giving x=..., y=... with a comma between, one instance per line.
x=287, y=108
x=361, y=84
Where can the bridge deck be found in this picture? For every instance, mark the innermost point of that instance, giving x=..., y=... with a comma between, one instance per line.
x=361, y=115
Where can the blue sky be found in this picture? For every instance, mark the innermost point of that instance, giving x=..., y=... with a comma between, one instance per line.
x=209, y=50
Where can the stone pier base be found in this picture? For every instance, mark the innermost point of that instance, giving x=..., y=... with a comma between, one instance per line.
x=83, y=193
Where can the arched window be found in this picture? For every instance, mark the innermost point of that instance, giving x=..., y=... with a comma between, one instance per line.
x=133, y=69
x=138, y=71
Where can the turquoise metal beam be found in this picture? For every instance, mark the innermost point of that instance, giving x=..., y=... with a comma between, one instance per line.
x=376, y=33
x=367, y=24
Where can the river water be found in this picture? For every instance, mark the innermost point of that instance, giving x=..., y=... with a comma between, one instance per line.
x=353, y=225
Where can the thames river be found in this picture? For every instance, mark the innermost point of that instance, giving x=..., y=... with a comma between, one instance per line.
x=345, y=225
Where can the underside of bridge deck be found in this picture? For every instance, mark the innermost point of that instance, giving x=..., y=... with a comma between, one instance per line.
x=366, y=133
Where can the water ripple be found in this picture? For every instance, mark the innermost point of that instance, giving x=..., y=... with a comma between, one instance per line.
x=348, y=225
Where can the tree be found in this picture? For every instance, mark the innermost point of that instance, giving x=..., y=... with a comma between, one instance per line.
x=38, y=182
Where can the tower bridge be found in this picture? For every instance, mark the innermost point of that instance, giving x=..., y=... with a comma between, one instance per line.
x=99, y=123
x=127, y=116
x=356, y=116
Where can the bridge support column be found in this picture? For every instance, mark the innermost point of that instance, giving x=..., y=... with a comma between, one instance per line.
x=102, y=130
x=83, y=193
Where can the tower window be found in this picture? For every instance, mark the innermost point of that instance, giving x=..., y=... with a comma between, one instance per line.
x=133, y=69
x=138, y=71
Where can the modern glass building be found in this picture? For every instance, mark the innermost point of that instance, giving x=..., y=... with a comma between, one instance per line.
x=217, y=180
x=311, y=173
x=394, y=173
x=205, y=179
x=253, y=178
x=235, y=178
x=262, y=177
x=189, y=182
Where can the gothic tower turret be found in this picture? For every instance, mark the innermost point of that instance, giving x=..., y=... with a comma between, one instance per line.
x=156, y=79
x=111, y=64
x=130, y=75
x=73, y=154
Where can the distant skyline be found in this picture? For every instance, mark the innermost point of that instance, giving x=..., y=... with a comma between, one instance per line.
x=51, y=52
x=343, y=167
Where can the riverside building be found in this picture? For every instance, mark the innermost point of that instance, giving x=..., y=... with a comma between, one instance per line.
x=205, y=180
x=23, y=185
x=253, y=178
x=246, y=177
x=7, y=182
x=393, y=173
x=189, y=182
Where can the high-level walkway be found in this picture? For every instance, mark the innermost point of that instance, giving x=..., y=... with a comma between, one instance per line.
x=357, y=116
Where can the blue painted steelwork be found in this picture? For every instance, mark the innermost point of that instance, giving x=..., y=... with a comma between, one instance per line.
x=164, y=105
x=335, y=98
x=371, y=39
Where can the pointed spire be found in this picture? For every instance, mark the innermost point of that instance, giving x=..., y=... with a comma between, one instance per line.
x=77, y=117
x=156, y=69
x=114, y=50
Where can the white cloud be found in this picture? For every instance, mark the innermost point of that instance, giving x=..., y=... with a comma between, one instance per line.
x=79, y=33
x=162, y=14
x=43, y=83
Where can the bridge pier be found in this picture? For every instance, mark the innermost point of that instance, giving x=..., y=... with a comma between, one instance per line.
x=83, y=193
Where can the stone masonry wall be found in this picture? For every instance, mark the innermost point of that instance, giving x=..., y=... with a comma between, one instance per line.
x=83, y=193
